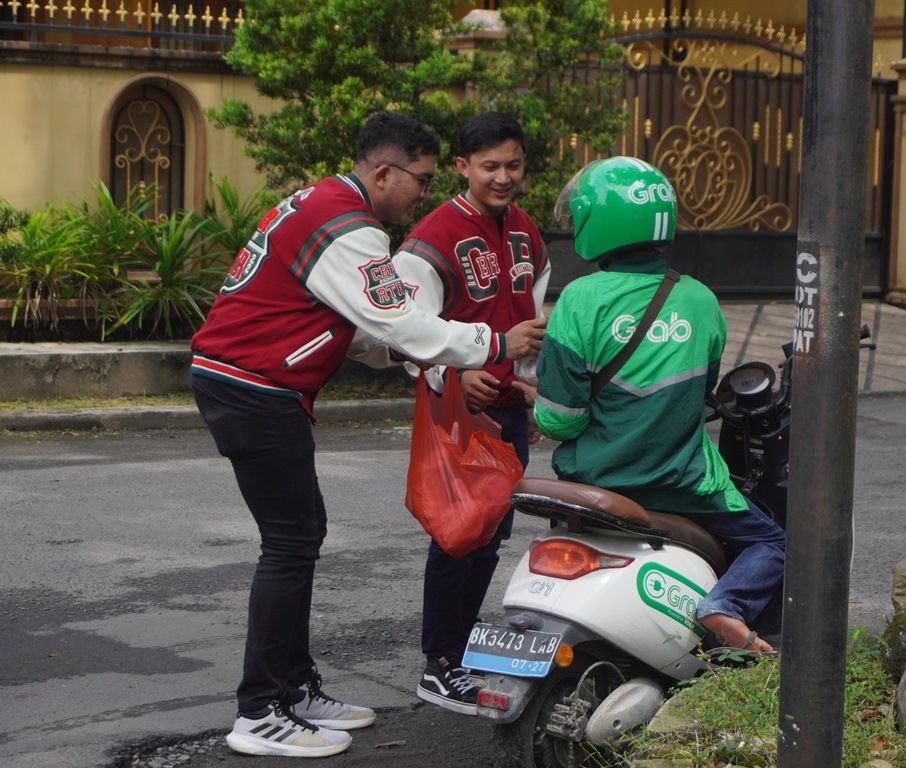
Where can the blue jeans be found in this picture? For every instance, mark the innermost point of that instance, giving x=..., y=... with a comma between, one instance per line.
x=454, y=588
x=756, y=546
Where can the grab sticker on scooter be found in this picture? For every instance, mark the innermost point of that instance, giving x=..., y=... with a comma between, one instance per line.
x=670, y=593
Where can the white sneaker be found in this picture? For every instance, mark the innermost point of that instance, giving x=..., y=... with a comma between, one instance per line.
x=318, y=708
x=283, y=733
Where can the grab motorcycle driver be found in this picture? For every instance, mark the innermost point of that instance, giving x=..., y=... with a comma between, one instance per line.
x=642, y=435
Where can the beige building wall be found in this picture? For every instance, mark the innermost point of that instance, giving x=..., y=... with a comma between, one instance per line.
x=53, y=142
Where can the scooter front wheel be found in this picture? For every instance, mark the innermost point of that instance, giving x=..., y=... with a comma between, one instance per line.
x=525, y=743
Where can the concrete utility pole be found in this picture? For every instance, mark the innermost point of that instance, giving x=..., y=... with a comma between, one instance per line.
x=830, y=247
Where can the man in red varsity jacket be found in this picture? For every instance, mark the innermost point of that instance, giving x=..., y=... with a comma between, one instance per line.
x=316, y=268
x=475, y=258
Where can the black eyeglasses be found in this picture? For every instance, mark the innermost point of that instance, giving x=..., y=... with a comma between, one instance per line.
x=424, y=179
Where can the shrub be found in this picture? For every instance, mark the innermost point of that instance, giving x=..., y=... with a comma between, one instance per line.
x=230, y=221
x=42, y=263
x=177, y=286
x=110, y=238
x=133, y=276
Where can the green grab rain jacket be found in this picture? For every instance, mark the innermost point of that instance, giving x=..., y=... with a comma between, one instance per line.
x=643, y=435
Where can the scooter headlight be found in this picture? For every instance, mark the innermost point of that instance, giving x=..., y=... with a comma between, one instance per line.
x=566, y=559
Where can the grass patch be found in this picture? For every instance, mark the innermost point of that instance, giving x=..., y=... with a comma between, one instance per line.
x=82, y=403
x=730, y=717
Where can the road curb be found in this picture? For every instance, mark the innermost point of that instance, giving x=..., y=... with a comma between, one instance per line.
x=187, y=416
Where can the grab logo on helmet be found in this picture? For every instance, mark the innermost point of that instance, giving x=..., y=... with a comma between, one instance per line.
x=642, y=193
x=654, y=193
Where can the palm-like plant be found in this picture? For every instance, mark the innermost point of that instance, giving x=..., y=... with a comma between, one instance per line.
x=110, y=237
x=231, y=223
x=42, y=263
x=10, y=218
x=178, y=286
x=112, y=234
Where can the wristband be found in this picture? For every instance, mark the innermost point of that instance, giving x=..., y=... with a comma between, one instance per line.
x=498, y=348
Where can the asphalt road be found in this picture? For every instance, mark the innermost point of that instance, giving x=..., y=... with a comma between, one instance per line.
x=124, y=565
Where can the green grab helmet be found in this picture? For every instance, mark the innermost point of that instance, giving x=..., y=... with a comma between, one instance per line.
x=616, y=205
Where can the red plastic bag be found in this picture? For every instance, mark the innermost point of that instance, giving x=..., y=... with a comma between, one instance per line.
x=460, y=472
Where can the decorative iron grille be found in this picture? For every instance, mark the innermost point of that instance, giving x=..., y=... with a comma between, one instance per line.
x=148, y=148
x=715, y=101
x=138, y=23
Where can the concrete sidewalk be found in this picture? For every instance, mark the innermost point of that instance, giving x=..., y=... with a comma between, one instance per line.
x=755, y=331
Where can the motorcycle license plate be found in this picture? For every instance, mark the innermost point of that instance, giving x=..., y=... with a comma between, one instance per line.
x=508, y=651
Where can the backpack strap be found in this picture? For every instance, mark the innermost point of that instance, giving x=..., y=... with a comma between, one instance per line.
x=660, y=296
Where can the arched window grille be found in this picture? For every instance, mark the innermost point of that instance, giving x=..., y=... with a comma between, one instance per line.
x=147, y=148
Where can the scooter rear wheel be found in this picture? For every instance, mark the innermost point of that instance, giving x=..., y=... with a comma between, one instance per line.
x=526, y=744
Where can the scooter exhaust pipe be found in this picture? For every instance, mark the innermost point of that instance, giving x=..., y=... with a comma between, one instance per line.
x=630, y=705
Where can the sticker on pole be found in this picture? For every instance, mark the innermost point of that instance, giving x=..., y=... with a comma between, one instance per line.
x=806, y=299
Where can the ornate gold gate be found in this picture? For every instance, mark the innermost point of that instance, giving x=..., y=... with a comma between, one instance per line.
x=715, y=101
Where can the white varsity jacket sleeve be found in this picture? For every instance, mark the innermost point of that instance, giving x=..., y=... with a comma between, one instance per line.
x=355, y=276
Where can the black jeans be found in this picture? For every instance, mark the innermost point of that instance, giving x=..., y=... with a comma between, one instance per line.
x=454, y=588
x=269, y=442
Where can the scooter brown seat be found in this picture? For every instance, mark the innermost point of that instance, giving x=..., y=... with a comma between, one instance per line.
x=579, y=506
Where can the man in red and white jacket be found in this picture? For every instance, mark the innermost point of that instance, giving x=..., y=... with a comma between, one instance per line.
x=475, y=258
x=317, y=268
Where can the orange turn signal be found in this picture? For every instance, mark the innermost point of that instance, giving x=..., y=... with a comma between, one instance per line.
x=564, y=655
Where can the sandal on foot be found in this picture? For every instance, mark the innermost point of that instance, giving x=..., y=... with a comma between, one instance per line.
x=744, y=647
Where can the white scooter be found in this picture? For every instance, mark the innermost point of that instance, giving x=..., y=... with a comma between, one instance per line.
x=600, y=613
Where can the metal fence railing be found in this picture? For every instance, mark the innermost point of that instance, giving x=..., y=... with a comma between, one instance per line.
x=128, y=23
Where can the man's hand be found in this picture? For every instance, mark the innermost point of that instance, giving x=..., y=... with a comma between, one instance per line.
x=525, y=338
x=479, y=388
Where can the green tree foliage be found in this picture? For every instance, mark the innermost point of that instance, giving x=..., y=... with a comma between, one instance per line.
x=555, y=71
x=328, y=64
x=331, y=63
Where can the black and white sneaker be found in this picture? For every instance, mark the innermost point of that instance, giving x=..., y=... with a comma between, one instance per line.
x=280, y=732
x=448, y=686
